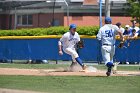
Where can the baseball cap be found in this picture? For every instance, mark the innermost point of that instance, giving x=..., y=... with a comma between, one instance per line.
x=134, y=22
x=118, y=24
x=72, y=26
x=127, y=26
x=108, y=19
x=134, y=30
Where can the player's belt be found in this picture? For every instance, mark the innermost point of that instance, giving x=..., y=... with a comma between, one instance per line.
x=109, y=44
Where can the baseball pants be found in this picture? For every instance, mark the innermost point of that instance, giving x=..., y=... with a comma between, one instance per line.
x=71, y=52
x=108, y=52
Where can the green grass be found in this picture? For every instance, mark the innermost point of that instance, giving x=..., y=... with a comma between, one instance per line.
x=72, y=84
x=129, y=68
x=33, y=66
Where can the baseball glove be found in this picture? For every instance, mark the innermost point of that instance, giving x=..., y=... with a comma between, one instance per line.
x=121, y=44
x=80, y=44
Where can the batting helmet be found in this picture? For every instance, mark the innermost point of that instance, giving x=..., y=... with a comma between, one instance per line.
x=108, y=20
x=72, y=26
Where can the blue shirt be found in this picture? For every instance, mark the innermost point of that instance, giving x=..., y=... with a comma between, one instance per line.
x=129, y=32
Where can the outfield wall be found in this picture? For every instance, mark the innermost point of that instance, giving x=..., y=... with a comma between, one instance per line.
x=45, y=47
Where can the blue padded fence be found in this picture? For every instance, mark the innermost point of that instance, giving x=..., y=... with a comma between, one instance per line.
x=47, y=48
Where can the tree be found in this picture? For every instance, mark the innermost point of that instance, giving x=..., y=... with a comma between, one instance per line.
x=134, y=10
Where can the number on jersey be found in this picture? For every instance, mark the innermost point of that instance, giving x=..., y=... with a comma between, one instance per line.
x=109, y=33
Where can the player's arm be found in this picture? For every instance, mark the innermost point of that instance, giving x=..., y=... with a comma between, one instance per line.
x=60, y=48
x=119, y=32
x=60, y=45
x=79, y=38
x=121, y=44
x=99, y=35
x=134, y=37
x=121, y=35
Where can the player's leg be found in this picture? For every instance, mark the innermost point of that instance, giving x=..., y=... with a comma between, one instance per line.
x=112, y=53
x=73, y=63
x=106, y=54
x=78, y=59
x=75, y=56
x=111, y=58
x=72, y=53
x=106, y=58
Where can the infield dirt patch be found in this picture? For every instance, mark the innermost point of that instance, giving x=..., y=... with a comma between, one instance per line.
x=3, y=90
x=62, y=72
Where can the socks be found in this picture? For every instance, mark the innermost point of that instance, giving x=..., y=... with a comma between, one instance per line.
x=79, y=61
x=109, y=65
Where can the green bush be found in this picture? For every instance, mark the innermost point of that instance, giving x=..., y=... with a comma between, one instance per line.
x=90, y=30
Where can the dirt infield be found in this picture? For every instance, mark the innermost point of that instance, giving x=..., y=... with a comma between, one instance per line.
x=3, y=90
x=62, y=72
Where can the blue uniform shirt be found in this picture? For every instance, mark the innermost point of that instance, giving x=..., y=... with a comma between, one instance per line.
x=129, y=32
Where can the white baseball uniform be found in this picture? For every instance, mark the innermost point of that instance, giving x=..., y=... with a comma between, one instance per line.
x=122, y=30
x=68, y=43
x=136, y=28
x=107, y=35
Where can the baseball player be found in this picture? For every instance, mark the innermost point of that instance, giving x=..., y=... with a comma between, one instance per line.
x=107, y=35
x=134, y=34
x=127, y=31
x=68, y=42
x=120, y=27
x=134, y=26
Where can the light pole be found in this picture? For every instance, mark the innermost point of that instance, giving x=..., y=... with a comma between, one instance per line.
x=48, y=1
x=67, y=12
x=100, y=13
x=107, y=8
x=53, y=13
x=15, y=23
x=16, y=12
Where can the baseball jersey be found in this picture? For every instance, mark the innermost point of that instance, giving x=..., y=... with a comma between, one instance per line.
x=136, y=28
x=127, y=32
x=136, y=34
x=122, y=30
x=68, y=40
x=107, y=34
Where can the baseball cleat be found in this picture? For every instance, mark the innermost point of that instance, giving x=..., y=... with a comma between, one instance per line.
x=114, y=69
x=84, y=67
x=73, y=63
x=108, y=73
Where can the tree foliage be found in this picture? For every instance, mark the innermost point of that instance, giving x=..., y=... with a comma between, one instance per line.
x=134, y=10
